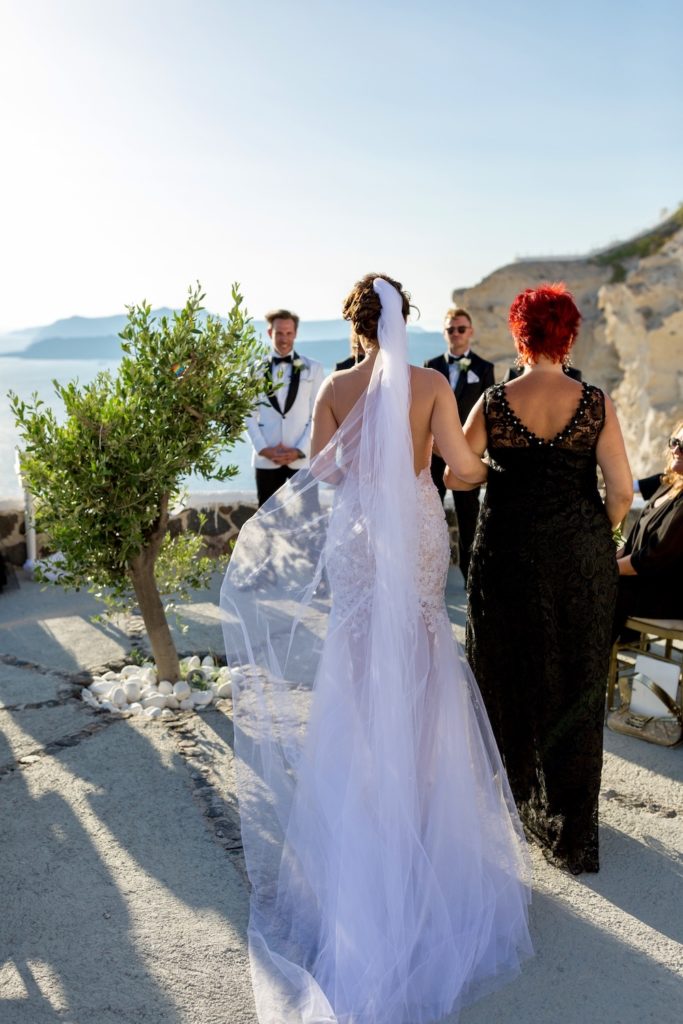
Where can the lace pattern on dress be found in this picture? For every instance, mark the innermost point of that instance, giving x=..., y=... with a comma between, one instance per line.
x=505, y=429
x=434, y=554
x=351, y=576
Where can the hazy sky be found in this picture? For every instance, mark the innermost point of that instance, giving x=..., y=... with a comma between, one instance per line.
x=293, y=145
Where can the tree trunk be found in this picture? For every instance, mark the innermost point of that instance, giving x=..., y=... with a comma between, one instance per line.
x=141, y=569
x=153, y=615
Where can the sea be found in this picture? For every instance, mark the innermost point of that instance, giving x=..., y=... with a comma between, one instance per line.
x=28, y=376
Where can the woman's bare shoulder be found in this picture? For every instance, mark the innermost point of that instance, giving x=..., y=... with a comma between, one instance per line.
x=326, y=389
x=426, y=379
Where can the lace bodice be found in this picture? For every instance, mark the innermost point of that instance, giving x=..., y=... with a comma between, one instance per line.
x=506, y=430
x=527, y=471
x=434, y=553
x=351, y=570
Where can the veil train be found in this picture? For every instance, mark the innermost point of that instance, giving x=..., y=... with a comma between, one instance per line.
x=390, y=879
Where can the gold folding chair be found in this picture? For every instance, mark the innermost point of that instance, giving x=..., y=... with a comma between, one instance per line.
x=650, y=631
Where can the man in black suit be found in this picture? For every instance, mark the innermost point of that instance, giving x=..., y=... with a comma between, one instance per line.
x=469, y=375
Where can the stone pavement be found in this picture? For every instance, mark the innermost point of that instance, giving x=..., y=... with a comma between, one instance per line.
x=123, y=890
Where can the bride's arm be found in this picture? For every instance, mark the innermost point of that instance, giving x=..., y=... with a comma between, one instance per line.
x=324, y=422
x=474, y=433
x=463, y=465
x=324, y=464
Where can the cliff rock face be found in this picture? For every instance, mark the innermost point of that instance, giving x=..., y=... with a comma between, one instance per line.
x=631, y=339
x=489, y=302
x=643, y=324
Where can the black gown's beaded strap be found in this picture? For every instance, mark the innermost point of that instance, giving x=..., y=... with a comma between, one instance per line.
x=542, y=589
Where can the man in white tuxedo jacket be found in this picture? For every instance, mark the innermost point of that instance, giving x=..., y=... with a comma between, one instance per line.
x=280, y=425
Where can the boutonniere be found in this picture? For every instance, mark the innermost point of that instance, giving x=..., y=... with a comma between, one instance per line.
x=464, y=363
x=298, y=364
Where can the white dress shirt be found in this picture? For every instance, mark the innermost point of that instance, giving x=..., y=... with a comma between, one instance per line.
x=454, y=368
x=282, y=374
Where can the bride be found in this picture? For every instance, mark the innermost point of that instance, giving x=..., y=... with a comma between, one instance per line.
x=390, y=880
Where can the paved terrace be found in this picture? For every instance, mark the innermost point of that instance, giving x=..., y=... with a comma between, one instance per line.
x=123, y=889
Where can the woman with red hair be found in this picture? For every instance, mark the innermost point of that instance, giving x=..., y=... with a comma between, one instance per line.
x=543, y=578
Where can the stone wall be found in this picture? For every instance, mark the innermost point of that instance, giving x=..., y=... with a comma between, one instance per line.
x=12, y=534
x=223, y=523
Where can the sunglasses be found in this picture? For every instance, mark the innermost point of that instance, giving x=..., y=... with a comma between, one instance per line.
x=456, y=330
x=675, y=443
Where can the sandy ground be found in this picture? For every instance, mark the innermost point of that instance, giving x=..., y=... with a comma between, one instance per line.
x=123, y=892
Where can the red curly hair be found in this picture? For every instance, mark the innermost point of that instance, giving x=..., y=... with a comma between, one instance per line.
x=544, y=322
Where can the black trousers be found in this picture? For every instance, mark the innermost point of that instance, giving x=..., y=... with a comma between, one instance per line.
x=268, y=481
x=466, y=512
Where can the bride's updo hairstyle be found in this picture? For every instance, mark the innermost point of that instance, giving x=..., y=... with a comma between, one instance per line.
x=363, y=308
x=544, y=322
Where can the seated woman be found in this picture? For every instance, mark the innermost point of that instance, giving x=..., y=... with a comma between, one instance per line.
x=651, y=561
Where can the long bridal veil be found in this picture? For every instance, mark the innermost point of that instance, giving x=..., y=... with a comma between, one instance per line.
x=389, y=875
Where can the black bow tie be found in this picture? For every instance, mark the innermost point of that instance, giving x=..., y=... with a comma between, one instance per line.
x=456, y=359
x=281, y=359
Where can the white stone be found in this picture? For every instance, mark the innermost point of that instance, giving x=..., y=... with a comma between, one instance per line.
x=193, y=662
x=110, y=675
x=149, y=676
x=224, y=690
x=167, y=713
x=181, y=690
x=108, y=706
x=149, y=691
x=88, y=697
x=223, y=673
x=156, y=701
x=165, y=687
x=238, y=678
x=118, y=696
x=129, y=670
x=186, y=705
x=136, y=709
x=101, y=687
x=172, y=702
x=208, y=662
x=152, y=712
x=201, y=698
x=131, y=688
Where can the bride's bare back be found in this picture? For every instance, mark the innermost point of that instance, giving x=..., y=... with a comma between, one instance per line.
x=433, y=416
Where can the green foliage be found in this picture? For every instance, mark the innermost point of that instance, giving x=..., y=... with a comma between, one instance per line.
x=638, y=248
x=104, y=478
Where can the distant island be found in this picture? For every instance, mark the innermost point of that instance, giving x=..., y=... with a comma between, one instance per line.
x=100, y=347
x=97, y=337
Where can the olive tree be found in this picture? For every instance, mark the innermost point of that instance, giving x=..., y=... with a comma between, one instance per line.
x=105, y=474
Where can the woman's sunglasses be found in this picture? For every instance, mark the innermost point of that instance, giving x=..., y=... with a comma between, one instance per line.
x=456, y=330
x=675, y=443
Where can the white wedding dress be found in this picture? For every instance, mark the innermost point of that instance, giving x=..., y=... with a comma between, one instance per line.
x=390, y=879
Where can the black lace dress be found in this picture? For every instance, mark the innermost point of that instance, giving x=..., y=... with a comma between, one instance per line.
x=542, y=592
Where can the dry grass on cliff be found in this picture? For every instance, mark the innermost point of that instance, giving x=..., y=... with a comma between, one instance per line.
x=639, y=247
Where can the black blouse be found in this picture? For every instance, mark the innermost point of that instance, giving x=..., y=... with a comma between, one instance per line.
x=655, y=542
